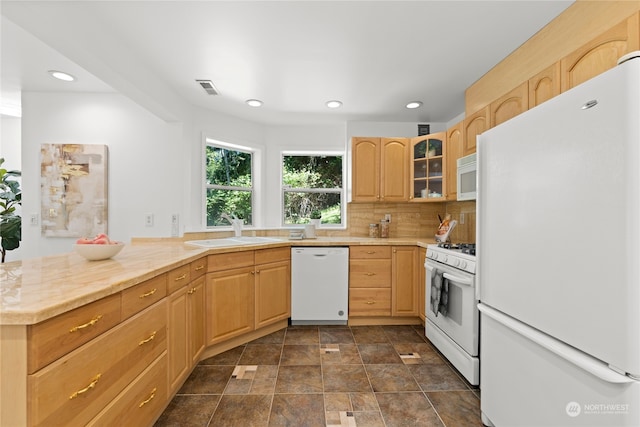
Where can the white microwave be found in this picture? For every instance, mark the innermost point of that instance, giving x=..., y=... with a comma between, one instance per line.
x=467, y=166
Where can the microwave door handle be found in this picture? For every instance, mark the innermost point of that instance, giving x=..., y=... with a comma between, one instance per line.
x=457, y=279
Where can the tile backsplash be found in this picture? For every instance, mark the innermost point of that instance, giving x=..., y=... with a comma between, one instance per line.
x=412, y=219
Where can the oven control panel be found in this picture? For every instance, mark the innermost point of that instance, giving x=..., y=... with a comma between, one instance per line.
x=452, y=257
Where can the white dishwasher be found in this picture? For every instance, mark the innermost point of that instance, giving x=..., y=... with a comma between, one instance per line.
x=319, y=285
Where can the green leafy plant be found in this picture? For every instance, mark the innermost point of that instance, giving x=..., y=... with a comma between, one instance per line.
x=10, y=222
x=316, y=214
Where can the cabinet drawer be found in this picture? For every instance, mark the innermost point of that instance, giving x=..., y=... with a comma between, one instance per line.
x=372, y=273
x=198, y=268
x=369, y=302
x=141, y=402
x=178, y=277
x=53, y=338
x=220, y=262
x=365, y=252
x=76, y=387
x=264, y=256
x=143, y=295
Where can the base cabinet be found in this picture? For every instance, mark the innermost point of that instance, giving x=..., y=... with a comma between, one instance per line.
x=255, y=294
x=404, y=283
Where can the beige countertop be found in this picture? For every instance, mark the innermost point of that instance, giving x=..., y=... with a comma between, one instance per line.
x=37, y=289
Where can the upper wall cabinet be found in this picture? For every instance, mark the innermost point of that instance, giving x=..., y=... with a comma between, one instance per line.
x=455, y=150
x=544, y=85
x=380, y=169
x=600, y=54
x=509, y=105
x=474, y=125
x=428, y=167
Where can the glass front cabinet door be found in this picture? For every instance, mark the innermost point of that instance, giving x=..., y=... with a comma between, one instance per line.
x=427, y=168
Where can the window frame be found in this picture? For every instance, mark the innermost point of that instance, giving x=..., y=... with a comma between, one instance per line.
x=341, y=190
x=212, y=142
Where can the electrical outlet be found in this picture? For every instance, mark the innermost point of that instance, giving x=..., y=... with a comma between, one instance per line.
x=148, y=220
x=34, y=219
x=175, y=225
x=388, y=218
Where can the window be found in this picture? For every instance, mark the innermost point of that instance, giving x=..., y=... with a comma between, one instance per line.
x=312, y=183
x=229, y=183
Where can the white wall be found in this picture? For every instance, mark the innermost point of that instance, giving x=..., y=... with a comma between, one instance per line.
x=10, y=136
x=146, y=157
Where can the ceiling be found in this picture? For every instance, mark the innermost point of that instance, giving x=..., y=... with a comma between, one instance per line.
x=374, y=56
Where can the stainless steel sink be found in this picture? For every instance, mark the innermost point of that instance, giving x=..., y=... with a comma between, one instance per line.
x=232, y=241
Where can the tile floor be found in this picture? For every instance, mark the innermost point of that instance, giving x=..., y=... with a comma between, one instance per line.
x=326, y=376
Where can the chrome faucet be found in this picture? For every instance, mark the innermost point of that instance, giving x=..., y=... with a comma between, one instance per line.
x=235, y=222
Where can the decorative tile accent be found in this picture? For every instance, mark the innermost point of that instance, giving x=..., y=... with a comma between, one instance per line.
x=243, y=372
x=345, y=419
x=410, y=358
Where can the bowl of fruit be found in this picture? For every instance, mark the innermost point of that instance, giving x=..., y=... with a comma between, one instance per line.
x=98, y=248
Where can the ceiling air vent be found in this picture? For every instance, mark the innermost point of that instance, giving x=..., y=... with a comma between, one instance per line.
x=208, y=86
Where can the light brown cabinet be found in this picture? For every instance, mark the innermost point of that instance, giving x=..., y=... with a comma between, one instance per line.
x=185, y=308
x=509, y=105
x=380, y=169
x=455, y=150
x=272, y=286
x=422, y=283
x=245, y=291
x=544, y=85
x=474, y=125
x=369, y=281
x=78, y=386
x=600, y=54
x=383, y=281
x=404, y=282
x=428, y=168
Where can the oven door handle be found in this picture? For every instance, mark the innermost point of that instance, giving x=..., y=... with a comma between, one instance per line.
x=458, y=279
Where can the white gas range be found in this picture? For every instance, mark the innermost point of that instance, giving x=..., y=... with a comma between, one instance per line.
x=452, y=323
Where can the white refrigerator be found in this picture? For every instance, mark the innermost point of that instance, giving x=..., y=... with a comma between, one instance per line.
x=558, y=259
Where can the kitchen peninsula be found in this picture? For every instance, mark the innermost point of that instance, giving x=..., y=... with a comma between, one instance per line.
x=85, y=342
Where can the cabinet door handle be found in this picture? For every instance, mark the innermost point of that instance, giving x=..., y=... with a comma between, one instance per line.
x=91, y=385
x=191, y=291
x=148, y=294
x=149, y=399
x=370, y=302
x=370, y=274
x=86, y=325
x=183, y=276
x=151, y=337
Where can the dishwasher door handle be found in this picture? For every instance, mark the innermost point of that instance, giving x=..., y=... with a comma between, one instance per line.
x=319, y=255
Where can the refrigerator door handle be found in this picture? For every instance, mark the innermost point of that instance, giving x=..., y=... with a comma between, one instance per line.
x=588, y=363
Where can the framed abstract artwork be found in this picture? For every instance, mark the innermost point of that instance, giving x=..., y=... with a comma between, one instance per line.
x=73, y=184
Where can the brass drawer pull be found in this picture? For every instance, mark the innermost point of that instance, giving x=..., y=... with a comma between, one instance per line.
x=200, y=267
x=177, y=279
x=153, y=335
x=149, y=399
x=148, y=294
x=191, y=291
x=371, y=252
x=369, y=274
x=91, y=385
x=370, y=302
x=86, y=325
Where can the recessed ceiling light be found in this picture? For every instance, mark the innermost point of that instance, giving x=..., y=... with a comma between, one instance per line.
x=254, y=102
x=414, y=104
x=62, y=75
x=334, y=104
